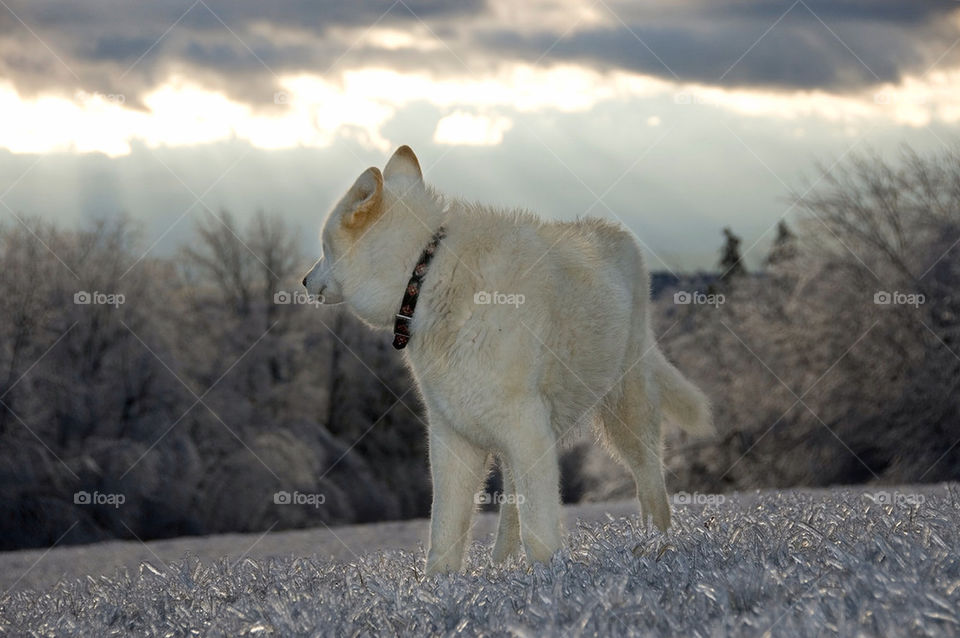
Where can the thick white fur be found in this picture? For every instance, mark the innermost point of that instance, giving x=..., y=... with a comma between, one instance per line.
x=510, y=380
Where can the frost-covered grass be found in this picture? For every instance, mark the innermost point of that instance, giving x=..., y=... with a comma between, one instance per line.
x=781, y=564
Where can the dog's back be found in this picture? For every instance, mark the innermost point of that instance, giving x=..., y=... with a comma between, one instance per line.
x=580, y=302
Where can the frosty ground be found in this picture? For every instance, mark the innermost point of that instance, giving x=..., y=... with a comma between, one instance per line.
x=864, y=561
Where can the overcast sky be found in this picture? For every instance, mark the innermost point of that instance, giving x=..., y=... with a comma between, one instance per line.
x=677, y=117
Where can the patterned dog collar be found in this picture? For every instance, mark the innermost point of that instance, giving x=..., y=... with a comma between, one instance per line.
x=401, y=324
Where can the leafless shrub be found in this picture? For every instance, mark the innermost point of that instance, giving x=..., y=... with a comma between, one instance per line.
x=839, y=364
x=197, y=397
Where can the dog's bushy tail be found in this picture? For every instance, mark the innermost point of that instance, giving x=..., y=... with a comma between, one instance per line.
x=681, y=400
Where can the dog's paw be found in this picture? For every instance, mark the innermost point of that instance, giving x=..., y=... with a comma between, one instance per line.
x=504, y=550
x=435, y=567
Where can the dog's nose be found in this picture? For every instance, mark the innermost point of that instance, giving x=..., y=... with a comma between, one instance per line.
x=304, y=281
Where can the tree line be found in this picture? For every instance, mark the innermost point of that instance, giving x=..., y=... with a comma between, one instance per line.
x=204, y=390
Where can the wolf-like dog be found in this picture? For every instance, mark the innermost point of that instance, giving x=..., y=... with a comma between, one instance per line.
x=523, y=331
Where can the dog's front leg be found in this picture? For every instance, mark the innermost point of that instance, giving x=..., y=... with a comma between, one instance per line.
x=457, y=467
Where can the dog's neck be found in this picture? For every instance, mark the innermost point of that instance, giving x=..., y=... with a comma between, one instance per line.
x=404, y=316
x=383, y=276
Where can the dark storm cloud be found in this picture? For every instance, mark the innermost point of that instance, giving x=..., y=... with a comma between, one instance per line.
x=883, y=10
x=793, y=58
x=239, y=46
x=815, y=44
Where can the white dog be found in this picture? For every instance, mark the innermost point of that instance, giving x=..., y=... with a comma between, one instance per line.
x=519, y=331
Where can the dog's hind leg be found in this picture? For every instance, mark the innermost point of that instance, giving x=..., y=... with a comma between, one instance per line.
x=531, y=457
x=457, y=469
x=508, y=533
x=631, y=421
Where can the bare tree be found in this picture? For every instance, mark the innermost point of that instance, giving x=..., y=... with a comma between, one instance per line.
x=841, y=363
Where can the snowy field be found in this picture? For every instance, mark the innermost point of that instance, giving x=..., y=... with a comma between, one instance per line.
x=877, y=562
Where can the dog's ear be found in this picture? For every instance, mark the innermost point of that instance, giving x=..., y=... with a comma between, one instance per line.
x=364, y=199
x=403, y=162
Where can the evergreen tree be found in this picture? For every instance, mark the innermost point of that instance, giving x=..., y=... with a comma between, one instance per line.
x=731, y=265
x=784, y=245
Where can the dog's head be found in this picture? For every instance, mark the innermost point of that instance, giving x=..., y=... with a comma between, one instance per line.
x=362, y=230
